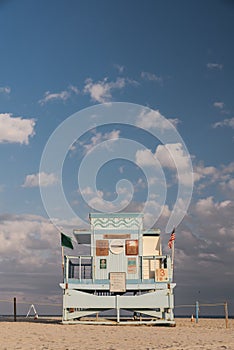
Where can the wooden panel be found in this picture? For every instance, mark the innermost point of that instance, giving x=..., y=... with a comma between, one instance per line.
x=117, y=282
x=132, y=266
x=149, y=267
x=151, y=245
x=102, y=247
x=161, y=275
x=131, y=247
x=117, y=236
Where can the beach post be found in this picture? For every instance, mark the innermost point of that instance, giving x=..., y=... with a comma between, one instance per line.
x=226, y=313
x=14, y=309
x=197, y=310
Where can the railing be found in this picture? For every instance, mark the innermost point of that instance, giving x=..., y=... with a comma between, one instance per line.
x=79, y=267
x=159, y=263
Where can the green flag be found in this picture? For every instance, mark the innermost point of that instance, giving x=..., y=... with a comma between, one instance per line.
x=66, y=241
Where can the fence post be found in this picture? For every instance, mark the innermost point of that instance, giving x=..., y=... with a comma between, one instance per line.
x=14, y=309
x=226, y=313
x=197, y=311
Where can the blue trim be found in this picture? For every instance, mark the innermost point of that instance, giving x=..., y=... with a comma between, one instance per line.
x=116, y=230
x=81, y=232
x=107, y=281
x=116, y=215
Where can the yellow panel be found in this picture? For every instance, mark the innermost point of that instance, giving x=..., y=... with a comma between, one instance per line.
x=161, y=275
x=151, y=245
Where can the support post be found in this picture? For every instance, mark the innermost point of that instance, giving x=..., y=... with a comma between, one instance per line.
x=172, y=259
x=226, y=313
x=173, y=254
x=197, y=311
x=66, y=272
x=80, y=267
x=14, y=309
x=117, y=308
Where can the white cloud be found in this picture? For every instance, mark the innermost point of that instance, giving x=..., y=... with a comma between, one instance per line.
x=74, y=89
x=166, y=211
x=5, y=90
x=15, y=129
x=206, y=232
x=96, y=199
x=150, y=76
x=154, y=119
x=204, y=206
x=200, y=172
x=101, y=90
x=88, y=191
x=229, y=168
x=221, y=176
x=219, y=105
x=99, y=138
x=226, y=183
x=48, y=96
x=207, y=206
x=230, y=184
x=172, y=156
x=25, y=237
x=30, y=260
x=214, y=66
x=59, y=96
x=226, y=122
x=206, y=170
x=40, y=179
x=145, y=157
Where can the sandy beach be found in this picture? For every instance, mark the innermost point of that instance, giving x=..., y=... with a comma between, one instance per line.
x=41, y=334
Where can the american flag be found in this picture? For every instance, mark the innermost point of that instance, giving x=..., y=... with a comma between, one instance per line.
x=172, y=238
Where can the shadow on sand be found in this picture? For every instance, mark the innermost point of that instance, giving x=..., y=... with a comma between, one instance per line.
x=40, y=319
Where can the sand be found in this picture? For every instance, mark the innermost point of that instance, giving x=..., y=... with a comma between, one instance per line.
x=48, y=334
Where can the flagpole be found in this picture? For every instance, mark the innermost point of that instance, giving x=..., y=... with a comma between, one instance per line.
x=172, y=258
x=172, y=246
x=62, y=249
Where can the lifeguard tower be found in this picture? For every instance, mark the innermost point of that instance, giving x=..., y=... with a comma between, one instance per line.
x=125, y=278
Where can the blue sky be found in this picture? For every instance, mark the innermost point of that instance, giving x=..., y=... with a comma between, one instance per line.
x=59, y=57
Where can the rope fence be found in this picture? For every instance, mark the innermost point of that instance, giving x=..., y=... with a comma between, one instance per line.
x=197, y=306
x=24, y=302
x=32, y=307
